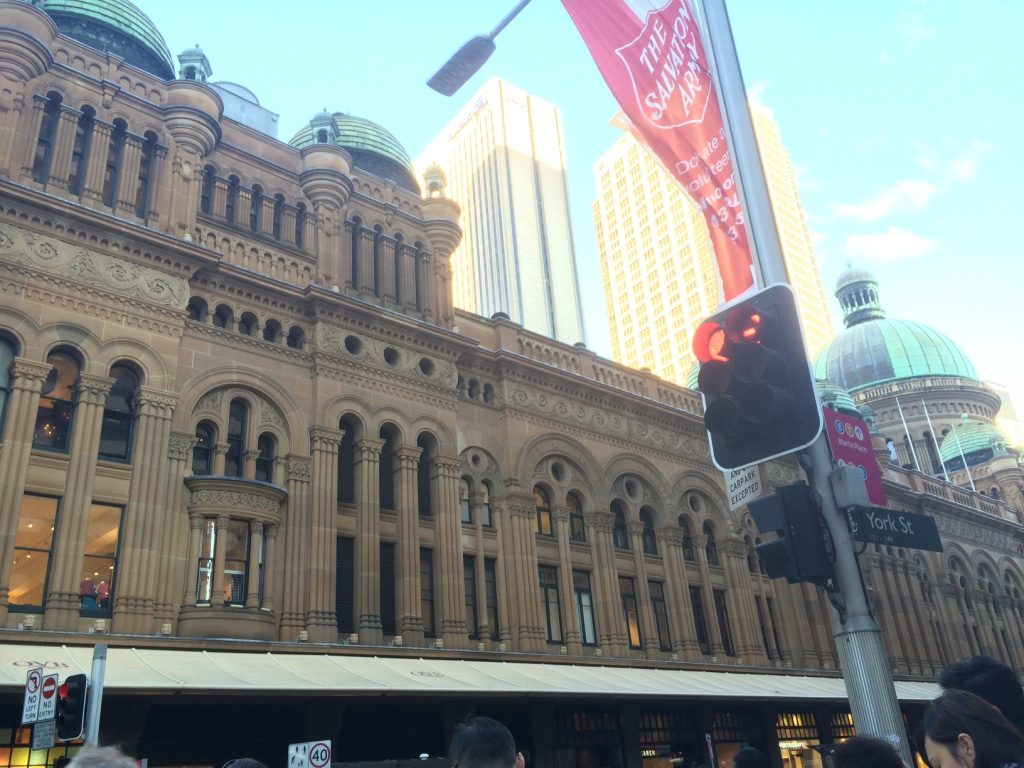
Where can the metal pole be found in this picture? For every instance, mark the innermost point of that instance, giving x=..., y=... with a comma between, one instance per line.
x=862, y=657
x=508, y=17
x=94, y=702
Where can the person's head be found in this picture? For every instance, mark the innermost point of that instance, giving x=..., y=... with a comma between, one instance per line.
x=865, y=752
x=483, y=743
x=995, y=682
x=962, y=730
x=101, y=757
x=243, y=762
x=748, y=757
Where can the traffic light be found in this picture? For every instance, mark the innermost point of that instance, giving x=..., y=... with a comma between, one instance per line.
x=759, y=395
x=799, y=551
x=71, y=707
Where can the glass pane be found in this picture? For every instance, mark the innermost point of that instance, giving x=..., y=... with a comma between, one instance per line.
x=32, y=550
x=98, y=565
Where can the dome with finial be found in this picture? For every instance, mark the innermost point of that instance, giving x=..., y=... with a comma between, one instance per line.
x=975, y=442
x=875, y=349
x=373, y=149
x=116, y=26
x=836, y=398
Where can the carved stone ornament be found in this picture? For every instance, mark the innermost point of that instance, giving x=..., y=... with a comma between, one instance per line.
x=209, y=497
x=84, y=265
x=180, y=446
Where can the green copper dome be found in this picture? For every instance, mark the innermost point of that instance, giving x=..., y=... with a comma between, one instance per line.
x=874, y=349
x=972, y=440
x=373, y=148
x=836, y=398
x=116, y=26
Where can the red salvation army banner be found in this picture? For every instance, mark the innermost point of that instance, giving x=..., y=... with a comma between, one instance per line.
x=657, y=71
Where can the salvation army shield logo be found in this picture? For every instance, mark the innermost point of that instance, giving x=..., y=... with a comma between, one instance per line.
x=668, y=69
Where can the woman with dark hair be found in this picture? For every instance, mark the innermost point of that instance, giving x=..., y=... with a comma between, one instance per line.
x=962, y=730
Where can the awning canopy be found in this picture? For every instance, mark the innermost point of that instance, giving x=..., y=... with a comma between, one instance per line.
x=157, y=671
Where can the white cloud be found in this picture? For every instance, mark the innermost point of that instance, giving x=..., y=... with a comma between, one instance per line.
x=892, y=245
x=912, y=28
x=964, y=167
x=903, y=197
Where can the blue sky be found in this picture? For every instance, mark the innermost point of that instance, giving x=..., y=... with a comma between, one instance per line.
x=903, y=120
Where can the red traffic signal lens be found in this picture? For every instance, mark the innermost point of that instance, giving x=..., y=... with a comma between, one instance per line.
x=709, y=342
x=744, y=325
x=64, y=690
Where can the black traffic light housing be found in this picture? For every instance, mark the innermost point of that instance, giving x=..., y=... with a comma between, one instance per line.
x=71, y=707
x=800, y=551
x=760, y=400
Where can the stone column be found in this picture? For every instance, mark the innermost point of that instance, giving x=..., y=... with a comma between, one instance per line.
x=386, y=255
x=297, y=521
x=611, y=623
x=907, y=634
x=884, y=614
x=407, y=561
x=321, y=615
x=96, y=164
x=31, y=124
x=288, y=214
x=523, y=580
x=507, y=615
x=12, y=108
x=265, y=225
x=220, y=453
x=444, y=486
x=63, y=600
x=700, y=544
x=407, y=277
x=27, y=379
x=985, y=621
x=171, y=563
x=144, y=529
x=484, y=628
x=740, y=598
x=128, y=175
x=367, y=551
x=918, y=611
x=366, y=265
x=219, y=558
x=677, y=594
x=219, y=199
x=269, y=567
x=566, y=590
x=645, y=611
x=252, y=592
x=249, y=464
x=243, y=208
x=424, y=286
x=158, y=200
x=195, y=544
x=60, y=152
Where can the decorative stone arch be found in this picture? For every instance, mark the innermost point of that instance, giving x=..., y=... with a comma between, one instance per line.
x=22, y=329
x=294, y=423
x=446, y=444
x=390, y=416
x=643, y=469
x=1010, y=565
x=643, y=495
x=346, y=406
x=983, y=558
x=695, y=481
x=154, y=372
x=550, y=443
x=480, y=465
x=264, y=415
x=82, y=339
x=44, y=89
x=572, y=480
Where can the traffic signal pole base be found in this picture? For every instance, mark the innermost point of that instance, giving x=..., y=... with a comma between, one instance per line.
x=862, y=657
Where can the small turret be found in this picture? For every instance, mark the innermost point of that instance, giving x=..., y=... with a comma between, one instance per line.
x=193, y=65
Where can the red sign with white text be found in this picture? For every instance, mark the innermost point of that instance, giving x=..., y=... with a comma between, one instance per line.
x=850, y=443
x=657, y=70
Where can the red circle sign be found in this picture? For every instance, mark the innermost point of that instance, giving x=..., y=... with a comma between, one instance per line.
x=34, y=676
x=49, y=687
x=319, y=754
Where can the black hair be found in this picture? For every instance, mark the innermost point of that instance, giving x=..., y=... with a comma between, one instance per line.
x=996, y=741
x=995, y=682
x=482, y=743
x=749, y=757
x=243, y=762
x=866, y=752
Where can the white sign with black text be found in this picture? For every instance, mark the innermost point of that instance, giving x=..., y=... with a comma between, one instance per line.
x=310, y=754
x=33, y=684
x=743, y=486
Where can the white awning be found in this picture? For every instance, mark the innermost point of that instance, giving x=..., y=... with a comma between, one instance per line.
x=189, y=671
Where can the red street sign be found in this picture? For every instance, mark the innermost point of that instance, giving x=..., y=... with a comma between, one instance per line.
x=850, y=443
x=49, y=687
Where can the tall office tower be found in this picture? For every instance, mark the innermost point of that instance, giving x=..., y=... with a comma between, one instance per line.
x=505, y=165
x=656, y=259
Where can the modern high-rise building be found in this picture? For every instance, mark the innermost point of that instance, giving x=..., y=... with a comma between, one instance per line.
x=656, y=258
x=504, y=163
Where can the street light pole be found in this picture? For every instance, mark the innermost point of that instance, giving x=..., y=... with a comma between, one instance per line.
x=467, y=61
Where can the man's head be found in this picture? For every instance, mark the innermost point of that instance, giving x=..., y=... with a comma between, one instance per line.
x=483, y=743
x=101, y=757
x=749, y=757
x=991, y=680
x=864, y=752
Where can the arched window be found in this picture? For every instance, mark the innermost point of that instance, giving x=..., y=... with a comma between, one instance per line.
x=684, y=526
x=712, y=547
x=254, y=207
x=933, y=454
x=386, y=467
x=272, y=331
x=300, y=224
x=119, y=415
x=238, y=418
x=247, y=324
x=146, y=161
x=354, y=247
x=650, y=541
x=232, y=199
x=486, y=518
x=112, y=171
x=577, y=526
x=321, y=136
x=8, y=351
x=80, y=150
x=222, y=316
x=56, y=410
x=206, y=191
x=620, y=536
x=423, y=479
x=278, y=210
x=465, y=500
x=47, y=136
x=542, y=512
x=296, y=337
x=197, y=309
x=267, y=447
x=347, y=462
x=378, y=267
x=202, y=451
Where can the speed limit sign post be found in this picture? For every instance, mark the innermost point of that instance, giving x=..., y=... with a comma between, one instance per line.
x=310, y=754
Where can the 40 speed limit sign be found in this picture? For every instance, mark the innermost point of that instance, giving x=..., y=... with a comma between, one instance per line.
x=309, y=754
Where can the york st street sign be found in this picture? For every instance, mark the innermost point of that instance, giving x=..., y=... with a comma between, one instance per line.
x=875, y=525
